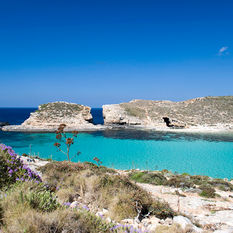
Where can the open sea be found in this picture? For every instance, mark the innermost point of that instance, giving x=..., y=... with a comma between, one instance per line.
x=202, y=154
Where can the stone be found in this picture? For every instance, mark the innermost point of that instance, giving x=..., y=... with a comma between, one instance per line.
x=182, y=221
x=74, y=204
x=152, y=227
x=105, y=211
x=108, y=220
x=186, y=223
x=128, y=221
x=154, y=220
x=168, y=221
x=193, y=190
x=230, y=230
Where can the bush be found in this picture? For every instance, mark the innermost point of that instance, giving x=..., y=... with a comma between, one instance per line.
x=148, y=177
x=162, y=210
x=36, y=196
x=221, y=184
x=30, y=207
x=180, y=181
x=199, y=180
x=102, y=188
x=42, y=200
x=23, y=218
x=12, y=168
x=207, y=191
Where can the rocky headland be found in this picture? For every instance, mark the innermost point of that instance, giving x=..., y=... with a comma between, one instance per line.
x=49, y=116
x=204, y=113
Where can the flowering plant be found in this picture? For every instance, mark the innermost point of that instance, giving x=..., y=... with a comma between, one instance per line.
x=12, y=168
x=61, y=136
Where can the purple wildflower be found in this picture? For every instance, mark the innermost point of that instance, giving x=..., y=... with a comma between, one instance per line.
x=67, y=204
x=86, y=207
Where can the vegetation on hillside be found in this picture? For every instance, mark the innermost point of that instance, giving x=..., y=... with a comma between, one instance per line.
x=206, y=184
x=30, y=205
x=103, y=188
x=200, y=111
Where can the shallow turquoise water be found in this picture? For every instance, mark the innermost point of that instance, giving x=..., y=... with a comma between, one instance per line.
x=210, y=155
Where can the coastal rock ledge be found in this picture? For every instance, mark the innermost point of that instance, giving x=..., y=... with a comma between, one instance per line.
x=49, y=116
x=199, y=113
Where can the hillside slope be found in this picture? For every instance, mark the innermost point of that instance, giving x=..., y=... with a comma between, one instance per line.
x=204, y=111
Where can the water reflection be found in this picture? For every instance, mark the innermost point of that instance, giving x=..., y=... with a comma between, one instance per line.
x=41, y=138
x=162, y=136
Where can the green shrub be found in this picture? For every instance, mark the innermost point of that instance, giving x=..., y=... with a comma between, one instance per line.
x=12, y=168
x=105, y=189
x=30, y=207
x=148, y=177
x=221, y=184
x=207, y=191
x=42, y=200
x=199, y=180
x=162, y=210
x=179, y=181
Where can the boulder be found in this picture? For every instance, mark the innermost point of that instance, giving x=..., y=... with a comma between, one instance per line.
x=186, y=223
x=74, y=204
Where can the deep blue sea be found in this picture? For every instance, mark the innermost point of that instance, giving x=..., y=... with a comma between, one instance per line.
x=203, y=154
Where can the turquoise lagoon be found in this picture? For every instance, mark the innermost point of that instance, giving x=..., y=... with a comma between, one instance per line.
x=202, y=154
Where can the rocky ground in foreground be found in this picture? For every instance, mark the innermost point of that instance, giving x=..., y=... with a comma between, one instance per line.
x=138, y=201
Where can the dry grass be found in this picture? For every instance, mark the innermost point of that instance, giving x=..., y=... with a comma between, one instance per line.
x=175, y=228
x=19, y=216
x=61, y=220
x=170, y=229
x=100, y=187
x=200, y=111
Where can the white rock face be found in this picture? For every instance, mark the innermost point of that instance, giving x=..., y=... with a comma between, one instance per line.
x=115, y=114
x=53, y=114
x=212, y=214
x=49, y=116
x=205, y=112
x=185, y=223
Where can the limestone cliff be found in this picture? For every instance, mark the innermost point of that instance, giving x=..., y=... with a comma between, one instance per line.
x=49, y=116
x=204, y=111
x=53, y=114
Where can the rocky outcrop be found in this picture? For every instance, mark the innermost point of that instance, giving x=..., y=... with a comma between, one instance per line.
x=49, y=116
x=213, y=112
x=211, y=214
x=3, y=124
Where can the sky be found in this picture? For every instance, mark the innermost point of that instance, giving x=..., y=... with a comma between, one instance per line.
x=105, y=51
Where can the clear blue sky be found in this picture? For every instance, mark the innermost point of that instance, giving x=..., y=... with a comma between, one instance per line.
x=100, y=52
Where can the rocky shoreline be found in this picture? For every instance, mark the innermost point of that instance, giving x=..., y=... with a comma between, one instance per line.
x=35, y=129
x=200, y=114
x=205, y=114
x=197, y=129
